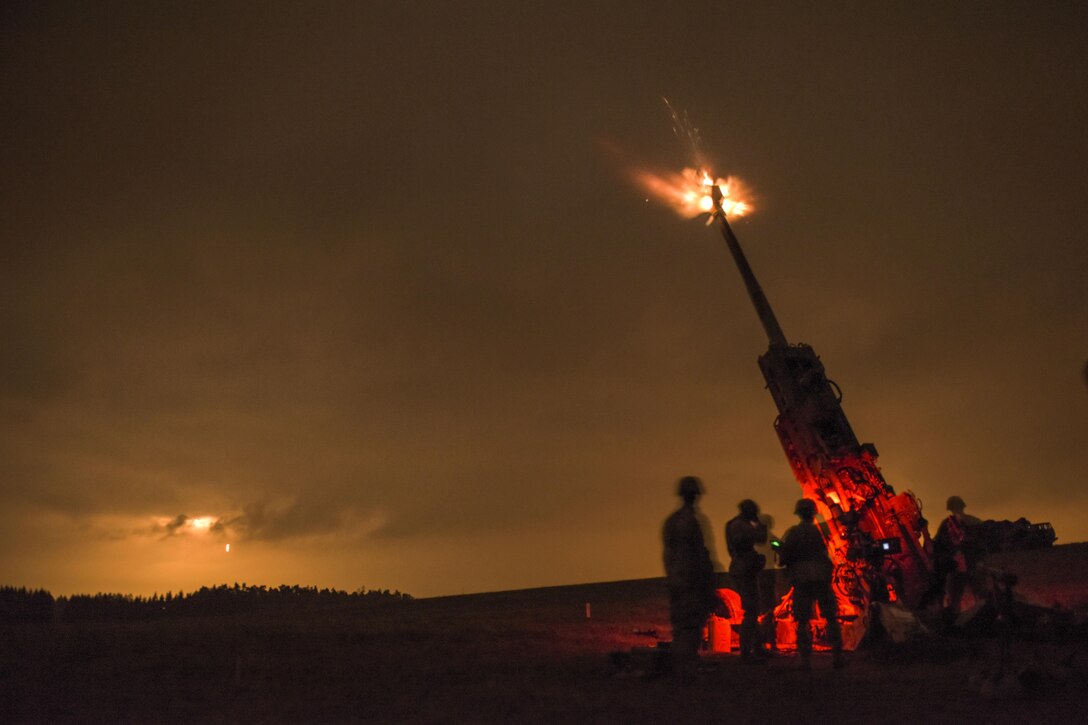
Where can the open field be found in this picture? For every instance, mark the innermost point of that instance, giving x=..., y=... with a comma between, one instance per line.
x=527, y=656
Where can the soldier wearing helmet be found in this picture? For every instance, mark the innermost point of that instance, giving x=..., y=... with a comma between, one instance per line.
x=689, y=576
x=804, y=554
x=955, y=554
x=742, y=534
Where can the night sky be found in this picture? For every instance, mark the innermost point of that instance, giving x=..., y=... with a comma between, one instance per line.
x=364, y=289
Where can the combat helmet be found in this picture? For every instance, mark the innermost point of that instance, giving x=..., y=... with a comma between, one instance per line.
x=805, y=508
x=748, y=508
x=955, y=503
x=689, y=487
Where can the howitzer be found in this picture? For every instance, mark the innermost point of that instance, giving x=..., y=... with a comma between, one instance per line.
x=877, y=539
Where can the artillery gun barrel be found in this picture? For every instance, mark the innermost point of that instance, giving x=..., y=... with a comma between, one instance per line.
x=755, y=292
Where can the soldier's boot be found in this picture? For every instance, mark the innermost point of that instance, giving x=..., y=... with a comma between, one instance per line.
x=745, y=646
x=805, y=664
x=948, y=620
x=751, y=643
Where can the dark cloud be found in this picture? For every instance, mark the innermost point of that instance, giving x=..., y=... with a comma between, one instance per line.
x=262, y=521
x=171, y=527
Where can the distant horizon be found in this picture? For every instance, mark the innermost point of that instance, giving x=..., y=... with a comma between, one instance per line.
x=1056, y=545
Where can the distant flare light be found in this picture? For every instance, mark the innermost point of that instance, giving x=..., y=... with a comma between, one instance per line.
x=183, y=524
x=689, y=192
x=202, y=523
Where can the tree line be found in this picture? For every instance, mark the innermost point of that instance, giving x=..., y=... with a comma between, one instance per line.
x=39, y=605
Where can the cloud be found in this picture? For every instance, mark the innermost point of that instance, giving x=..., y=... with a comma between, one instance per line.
x=263, y=520
x=275, y=522
x=172, y=526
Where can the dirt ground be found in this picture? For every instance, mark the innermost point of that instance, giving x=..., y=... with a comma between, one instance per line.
x=530, y=656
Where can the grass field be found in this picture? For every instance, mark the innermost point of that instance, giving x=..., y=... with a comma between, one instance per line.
x=529, y=656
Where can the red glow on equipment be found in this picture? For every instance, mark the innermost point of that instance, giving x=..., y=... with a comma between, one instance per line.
x=876, y=538
x=721, y=632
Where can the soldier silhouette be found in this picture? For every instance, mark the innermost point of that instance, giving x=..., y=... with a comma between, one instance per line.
x=689, y=577
x=804, y=554
x=743, y=534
